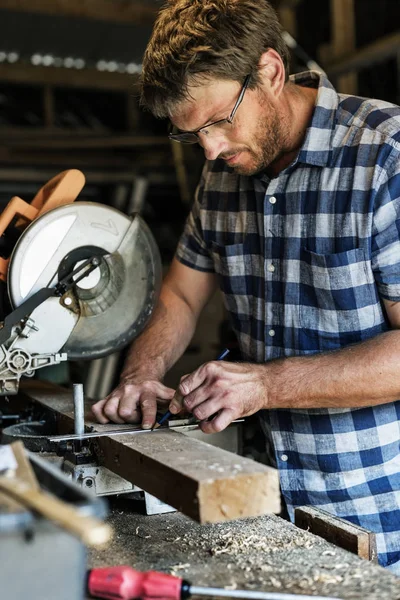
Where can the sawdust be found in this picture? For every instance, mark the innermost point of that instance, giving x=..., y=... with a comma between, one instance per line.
x=265, y=553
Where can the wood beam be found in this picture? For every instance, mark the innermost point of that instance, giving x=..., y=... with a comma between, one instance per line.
x=204, y=482
x=368, y=56
x=96, y=142
x=343, y=18
x=82, y=160
x=343, y=41
x=42, y=174
x=62, y=77
x=114, y=11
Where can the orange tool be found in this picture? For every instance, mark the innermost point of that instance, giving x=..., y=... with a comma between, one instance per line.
x=62, y=189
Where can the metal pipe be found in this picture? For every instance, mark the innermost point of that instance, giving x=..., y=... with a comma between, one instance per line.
x=79, y=409
x=250, y=595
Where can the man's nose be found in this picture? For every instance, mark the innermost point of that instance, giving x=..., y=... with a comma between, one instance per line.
x=212, y=146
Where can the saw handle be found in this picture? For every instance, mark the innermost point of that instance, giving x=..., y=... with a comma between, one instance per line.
x=61, y=189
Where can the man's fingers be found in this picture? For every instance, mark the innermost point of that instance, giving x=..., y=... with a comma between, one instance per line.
x=208, y=408
x=110, y=410
x=132, y=403
x=97, y=410
x=190, y=382
x=219, y=422
x=163, y=392
x=176, y=404
x=148, y=404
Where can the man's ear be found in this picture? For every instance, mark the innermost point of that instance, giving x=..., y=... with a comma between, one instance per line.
x=272, y=71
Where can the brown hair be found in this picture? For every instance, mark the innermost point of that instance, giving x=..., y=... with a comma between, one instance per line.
x=196, y=39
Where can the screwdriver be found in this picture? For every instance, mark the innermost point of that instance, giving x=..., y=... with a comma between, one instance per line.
x=125, y=583
x=179, y=396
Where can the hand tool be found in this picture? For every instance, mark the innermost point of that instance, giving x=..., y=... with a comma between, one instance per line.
x=18, y=482
x=125, y=583
x=178, y=396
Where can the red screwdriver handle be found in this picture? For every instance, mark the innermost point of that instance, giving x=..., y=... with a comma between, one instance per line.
x=125, y=583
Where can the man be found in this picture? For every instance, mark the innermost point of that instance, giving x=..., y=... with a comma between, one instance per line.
x=297, y=219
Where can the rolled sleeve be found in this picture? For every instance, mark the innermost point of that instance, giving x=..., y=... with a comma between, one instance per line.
x=386, y=232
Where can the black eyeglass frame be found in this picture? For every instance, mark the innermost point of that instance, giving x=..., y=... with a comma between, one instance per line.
x=192, y=137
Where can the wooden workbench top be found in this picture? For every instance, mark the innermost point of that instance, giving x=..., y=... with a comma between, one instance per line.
x=263, y=553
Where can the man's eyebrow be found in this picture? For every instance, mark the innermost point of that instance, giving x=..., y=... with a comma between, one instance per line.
x=211, y=120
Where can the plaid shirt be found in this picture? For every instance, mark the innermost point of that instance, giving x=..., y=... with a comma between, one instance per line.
x=303, y=261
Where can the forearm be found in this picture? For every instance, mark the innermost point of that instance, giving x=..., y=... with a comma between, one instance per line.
x=361, y=375
x=164, y=340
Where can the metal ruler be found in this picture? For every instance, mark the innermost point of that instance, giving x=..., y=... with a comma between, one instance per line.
x=131, y=430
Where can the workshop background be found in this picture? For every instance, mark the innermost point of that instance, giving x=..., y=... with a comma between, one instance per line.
x=69, y=99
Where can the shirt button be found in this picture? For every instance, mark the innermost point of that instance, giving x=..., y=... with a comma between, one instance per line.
x=284, y=457
x=272, y=200
x=271, y=332
x=271, y=268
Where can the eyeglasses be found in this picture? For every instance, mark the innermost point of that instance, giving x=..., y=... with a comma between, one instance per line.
x=213, y=129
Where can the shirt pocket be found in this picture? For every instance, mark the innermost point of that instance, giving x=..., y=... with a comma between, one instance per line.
x=338, y=297
x=231, y=267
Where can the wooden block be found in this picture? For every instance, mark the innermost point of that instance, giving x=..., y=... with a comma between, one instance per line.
x=202, y=481
x=338, y=531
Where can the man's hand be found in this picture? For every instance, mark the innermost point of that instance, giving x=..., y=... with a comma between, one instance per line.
x=227, y=390
x=132, y=401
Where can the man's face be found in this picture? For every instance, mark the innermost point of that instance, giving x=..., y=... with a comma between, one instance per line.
x=256, y=136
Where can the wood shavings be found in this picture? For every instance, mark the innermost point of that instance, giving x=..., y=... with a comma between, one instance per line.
x=232, y=586
x=141, y=535
x=180, y=567
x=275, y=582
x=261, y=554
x=327, y=578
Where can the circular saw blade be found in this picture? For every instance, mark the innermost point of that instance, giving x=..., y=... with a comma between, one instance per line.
x=116, y=300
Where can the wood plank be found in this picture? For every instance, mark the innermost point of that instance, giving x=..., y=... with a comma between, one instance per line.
x=102, y=177
x=82, y=160
x=338, y=531
x=88, y=78
x=112, y=11
x=90, y=141
x=204, y=482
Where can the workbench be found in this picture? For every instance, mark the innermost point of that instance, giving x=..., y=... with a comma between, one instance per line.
x=262, y=553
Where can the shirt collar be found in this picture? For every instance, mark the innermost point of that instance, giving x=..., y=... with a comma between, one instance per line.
x=317, y=147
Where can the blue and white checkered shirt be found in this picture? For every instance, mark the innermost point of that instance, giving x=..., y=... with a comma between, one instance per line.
x=303, y=261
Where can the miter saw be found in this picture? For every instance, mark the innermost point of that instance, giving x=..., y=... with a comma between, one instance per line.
x=82, y=280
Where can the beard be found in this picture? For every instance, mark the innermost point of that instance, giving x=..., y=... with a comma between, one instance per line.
x=267, y=145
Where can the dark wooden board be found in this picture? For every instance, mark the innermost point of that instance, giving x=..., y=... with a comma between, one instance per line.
x=342, y=533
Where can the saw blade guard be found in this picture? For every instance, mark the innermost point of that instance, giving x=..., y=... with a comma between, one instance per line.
x=113, y=304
